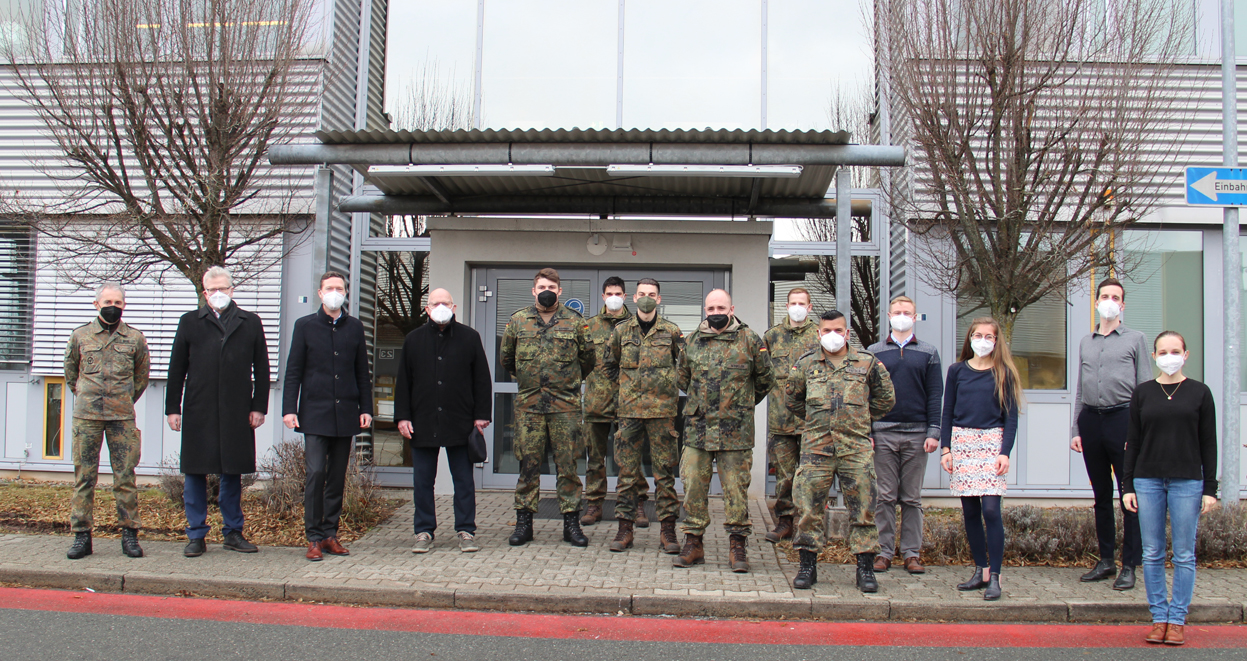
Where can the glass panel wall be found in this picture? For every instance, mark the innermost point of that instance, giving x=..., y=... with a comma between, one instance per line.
x=402, y=291
x=808, y=71
x=817, y=274
x=430, y=59
x=1164, y=276
x=1039, y=340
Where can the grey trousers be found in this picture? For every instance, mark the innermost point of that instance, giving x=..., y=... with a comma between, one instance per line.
x=900, y=465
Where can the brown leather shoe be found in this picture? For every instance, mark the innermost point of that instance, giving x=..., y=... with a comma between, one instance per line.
x=1157, y=634
x=783, y=530
x=593, y=514
x=882, y=564
x=737, y=554
x=1175, y=635
x=670, y=543
x=691, y=554
x=623, y=538
x=313, y=552
x=332, y=547
x=912, y=566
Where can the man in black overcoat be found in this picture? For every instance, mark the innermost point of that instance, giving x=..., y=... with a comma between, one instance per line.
x=443, y=391
x=220, y=363
x=327, y=398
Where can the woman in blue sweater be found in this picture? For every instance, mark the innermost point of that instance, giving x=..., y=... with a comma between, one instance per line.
x=979, y=425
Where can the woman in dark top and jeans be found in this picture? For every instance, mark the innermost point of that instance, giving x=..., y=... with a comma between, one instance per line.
x=1170, y=467
x=979, y=425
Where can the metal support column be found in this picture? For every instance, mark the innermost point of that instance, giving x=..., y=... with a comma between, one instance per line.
x=844, y=271
x=1231, y=267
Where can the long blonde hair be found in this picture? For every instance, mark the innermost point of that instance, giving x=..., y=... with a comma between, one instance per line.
x=1008, y=381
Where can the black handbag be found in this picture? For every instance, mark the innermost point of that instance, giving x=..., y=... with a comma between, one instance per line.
x=477, y=451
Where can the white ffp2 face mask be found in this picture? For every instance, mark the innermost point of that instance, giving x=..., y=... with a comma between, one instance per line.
x=901, y=322
x=219, y=300
x=614, y=303
x=797, y=313
x=1108, y=309
x=333, y=300
x=1170, y=363
x=832, y=342
x=982, y=347
x=441, y=314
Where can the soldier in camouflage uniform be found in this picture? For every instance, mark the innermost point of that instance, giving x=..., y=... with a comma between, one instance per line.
x=600, y=391
x=644, y=355
x=786, y=342
x=726, y=373
x=106, y=368
x=545, y=347
x=838, y=391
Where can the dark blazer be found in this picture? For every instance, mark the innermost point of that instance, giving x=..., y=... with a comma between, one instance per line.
x=328, y=384
x=443, y=384
x=223, y=366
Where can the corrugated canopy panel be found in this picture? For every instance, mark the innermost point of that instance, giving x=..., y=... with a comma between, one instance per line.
x=477, y=136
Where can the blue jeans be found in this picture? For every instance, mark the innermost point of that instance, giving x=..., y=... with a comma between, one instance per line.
x=195, y=498
x=1181, y=499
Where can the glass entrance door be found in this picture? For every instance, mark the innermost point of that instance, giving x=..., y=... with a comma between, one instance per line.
x=500, y=292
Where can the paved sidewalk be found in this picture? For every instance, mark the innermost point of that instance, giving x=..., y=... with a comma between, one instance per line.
x=552, y=576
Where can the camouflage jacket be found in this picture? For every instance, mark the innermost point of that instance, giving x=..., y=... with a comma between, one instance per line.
x=786, y=344
x=726, y=375
x=548, y=360
x=106, y=372
x=600, y=388
x=645, y=366
x=838, y=404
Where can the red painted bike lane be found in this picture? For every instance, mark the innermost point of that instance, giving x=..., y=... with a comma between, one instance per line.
x=602, y=627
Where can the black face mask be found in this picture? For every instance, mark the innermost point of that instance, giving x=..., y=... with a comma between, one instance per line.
x=110, y=314
x=717, y=321
x=547, y=299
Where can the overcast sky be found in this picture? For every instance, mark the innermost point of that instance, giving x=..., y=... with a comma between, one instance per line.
x=687, y=63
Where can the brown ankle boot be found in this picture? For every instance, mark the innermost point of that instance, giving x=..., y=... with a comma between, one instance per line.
x=670, y=543
x=737, y=555
x=593, y=514
x=783, y=530
x=691, y=554
x=623, y=538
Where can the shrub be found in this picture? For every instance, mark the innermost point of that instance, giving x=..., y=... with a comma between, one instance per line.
x=283, y=493
x=173, y=482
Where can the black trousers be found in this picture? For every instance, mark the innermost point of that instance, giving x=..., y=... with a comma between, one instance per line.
x=424, y=473
x=1103, y=451
x=326, y=459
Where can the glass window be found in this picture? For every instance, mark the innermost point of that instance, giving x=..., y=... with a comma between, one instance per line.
x=402, y=291
x=1240, y=30
x=817, y=274
x=1039, y=340
x=16, y=292
x=431, y=54
x=53, y=428
x=692, y=64
x=550, y=64
x=17, y=17
x=1164, y=276
x=810, y=61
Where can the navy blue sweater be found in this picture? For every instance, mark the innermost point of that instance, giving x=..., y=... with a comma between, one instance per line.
x=970, y=401
x=915, y=372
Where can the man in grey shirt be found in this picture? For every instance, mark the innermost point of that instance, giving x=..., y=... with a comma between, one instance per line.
x=1112, y=360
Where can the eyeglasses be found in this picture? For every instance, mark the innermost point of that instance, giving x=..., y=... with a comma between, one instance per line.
x=980, y=336
x=213, y=290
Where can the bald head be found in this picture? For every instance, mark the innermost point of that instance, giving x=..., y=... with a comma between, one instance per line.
x=440, y=295
x=719, y=302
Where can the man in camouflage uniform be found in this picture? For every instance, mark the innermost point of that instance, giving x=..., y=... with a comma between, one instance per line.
x=600, y=391
x=644, y=355
x=726, y=373
x=838, y=391
x=106, y=368
x=786, y=342
x=545, y=347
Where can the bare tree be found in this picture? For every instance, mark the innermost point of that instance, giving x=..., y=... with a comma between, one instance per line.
x=1032, y=128
x=162, y=111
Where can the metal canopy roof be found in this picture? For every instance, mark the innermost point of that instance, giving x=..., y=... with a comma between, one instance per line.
x=574, y=176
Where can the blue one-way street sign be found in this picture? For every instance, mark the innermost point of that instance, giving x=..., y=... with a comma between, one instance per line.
x=1217, y=187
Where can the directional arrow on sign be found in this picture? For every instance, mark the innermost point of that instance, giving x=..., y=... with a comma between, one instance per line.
x=1222, y=187
x=1207, y=185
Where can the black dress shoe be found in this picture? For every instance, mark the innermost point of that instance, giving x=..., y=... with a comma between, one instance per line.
x=81, y=547
x=1103, y=569
x=195, y=548
x=1125, y=580
x=992, y=593
x=976, y=581
x=236, y=542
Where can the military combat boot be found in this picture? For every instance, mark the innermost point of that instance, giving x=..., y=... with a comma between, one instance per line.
x=692, y=553
x=866, y=573
x=81, y=547
x=642, y=519
x=670, y=543
x=783, y=529
x=523, y=528
x=738, y=556
x=130, y=543
x=623, y=538
x=593, y=514
x=571, y=530
x=807, y=575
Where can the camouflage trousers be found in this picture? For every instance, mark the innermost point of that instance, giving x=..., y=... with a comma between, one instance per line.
x=782, y=451
x=534, y=433
x=734, y=475
x=597, y=441
x=629, y=447
x=124, y=447
x=856, y=472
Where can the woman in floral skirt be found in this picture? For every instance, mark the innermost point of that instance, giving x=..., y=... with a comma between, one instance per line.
x=980, y=422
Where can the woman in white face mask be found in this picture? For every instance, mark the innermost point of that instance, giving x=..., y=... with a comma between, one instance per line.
x=981, y=401
x=1170, y=468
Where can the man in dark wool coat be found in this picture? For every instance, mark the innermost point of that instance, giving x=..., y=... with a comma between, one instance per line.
x=220, y=360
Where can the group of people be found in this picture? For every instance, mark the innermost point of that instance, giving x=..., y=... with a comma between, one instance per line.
x=865, y=418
